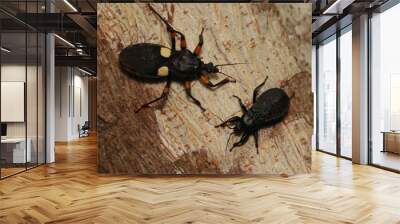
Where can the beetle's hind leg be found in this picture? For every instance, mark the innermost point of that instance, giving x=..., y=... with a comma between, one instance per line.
x=197, y=50
x=188, y=89
x=171, y=31
x=255, y=92
x=163, y=95
x=173, y=34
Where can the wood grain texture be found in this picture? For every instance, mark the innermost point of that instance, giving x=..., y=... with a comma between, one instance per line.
x=71, y=191
x=179, y=138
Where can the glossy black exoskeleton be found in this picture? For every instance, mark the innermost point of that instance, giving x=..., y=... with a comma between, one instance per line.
x=268, y=109
x=157, y=62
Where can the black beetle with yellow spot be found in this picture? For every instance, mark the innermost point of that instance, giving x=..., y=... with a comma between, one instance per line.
x=157, y=62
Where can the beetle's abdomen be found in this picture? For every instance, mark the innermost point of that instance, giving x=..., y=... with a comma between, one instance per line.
x=145, y=60
x=270, y=108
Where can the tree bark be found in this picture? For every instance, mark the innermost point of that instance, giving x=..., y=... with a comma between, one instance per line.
x=176, y=137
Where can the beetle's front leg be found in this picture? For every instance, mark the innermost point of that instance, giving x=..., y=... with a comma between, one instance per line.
x=205, y=80
x=241, y=142
x=163, y=95
x=230, y=120
x=188, y=89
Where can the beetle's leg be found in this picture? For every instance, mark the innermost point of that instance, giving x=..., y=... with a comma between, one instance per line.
x=241, y=142
x=197, y=50
x=163, y=95
x=244, y=109
x=205, y=80
x=255, y=92
x=173, y=44
x=256, y=140
x=183, y=40
x=173, y=35
x=229, y=138
x=171, y=30
x=188, y=89
x=232, y=119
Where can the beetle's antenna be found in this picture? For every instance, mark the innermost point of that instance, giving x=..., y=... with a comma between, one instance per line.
x=219, y=118
x=230, y=64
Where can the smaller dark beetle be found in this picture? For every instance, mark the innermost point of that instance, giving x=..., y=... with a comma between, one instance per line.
x=149, y=62
x=268, y=109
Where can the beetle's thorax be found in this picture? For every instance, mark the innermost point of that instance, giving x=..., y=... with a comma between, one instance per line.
x=185, y=62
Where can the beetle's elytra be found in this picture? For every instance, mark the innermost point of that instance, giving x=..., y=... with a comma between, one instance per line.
x=157, y=62
x=268, y=109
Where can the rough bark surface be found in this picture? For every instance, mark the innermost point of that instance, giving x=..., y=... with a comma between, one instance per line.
x=274, y=39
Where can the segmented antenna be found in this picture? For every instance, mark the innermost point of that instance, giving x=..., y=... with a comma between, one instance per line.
x=230, y=64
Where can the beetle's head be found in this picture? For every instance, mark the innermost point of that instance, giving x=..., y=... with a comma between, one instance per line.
x=210, y=68
x=235, y=123
x=238, y=127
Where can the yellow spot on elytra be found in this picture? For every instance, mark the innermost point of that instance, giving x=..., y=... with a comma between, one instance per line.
x=165, y=52
x=163, y=71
